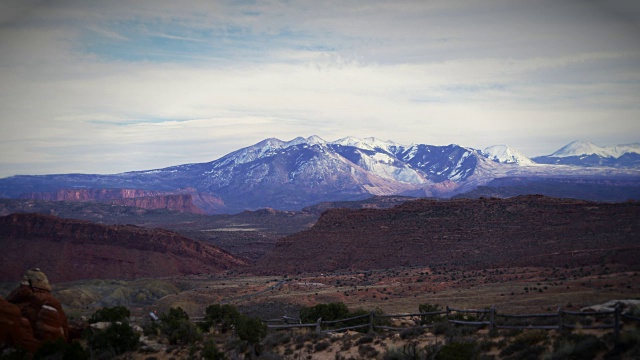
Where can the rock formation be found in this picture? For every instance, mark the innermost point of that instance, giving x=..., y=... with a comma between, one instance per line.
x=475, y=234
x=178, y=202
x=30, y=315
x=184, y=200
x=74, y=249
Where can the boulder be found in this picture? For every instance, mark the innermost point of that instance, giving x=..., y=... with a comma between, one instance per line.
x=30, y=315
x=15, y=331
x=625, y=305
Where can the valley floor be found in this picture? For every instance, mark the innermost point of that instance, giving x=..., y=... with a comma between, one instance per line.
x=401, y=290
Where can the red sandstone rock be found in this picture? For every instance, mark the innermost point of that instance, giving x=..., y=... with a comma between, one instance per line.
x=31, y=315
x=73, y=249
x=179, y=202
x=15, y=331
x=184, y=200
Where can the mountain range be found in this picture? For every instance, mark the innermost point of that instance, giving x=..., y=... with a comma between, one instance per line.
x=293, y=174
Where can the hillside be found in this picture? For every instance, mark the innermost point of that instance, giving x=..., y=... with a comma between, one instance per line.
x=73, y=249
x=520, y=231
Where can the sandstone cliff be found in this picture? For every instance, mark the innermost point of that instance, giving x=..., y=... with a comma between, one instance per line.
x=73, y=249
x=179, y=202
x=184, y=200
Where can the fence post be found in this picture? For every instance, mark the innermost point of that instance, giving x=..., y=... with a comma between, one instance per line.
x=319, y=326
x=448, y=312
x=371, y=314
x=559, y=319
x=492, y=313
x=618, y=310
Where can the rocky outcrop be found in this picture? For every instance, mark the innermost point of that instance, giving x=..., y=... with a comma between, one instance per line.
x=474, y=234
x=184, y=200
x=74, y=249
x=90, y=194
x=179, y=202
x=30, y=315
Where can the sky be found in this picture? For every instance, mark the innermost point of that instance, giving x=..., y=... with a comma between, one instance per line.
x=112, y=86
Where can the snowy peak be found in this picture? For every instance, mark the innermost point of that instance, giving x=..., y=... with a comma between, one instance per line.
x=586, y=148
x=506, y=155
x=581, y=147
x=311, y=140
x=369, y=143
x=619, y=150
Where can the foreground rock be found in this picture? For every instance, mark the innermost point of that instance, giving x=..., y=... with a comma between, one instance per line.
x=30, y=315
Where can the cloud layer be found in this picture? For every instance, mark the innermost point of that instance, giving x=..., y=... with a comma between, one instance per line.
x=104, y=87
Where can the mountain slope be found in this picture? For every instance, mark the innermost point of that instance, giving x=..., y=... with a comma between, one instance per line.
x=289, y=175
x=74, y=249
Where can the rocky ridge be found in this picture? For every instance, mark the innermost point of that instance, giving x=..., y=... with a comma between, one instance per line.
x=479, y=233
x=185, y=200
x=73, y=249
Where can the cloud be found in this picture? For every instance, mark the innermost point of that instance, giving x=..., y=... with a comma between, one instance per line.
x=157, y=83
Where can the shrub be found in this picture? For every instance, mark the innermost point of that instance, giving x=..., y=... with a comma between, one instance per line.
x=59, y=349
x=117, y=313
x=277, y=338
x=150, y=328
x=628, y=344
x=328, y=312
x=577, y=346
x=177, y=327
x=367, y=351
x=210, y=351
x=408, y=351
x=411, y=332
x=250, y=329
x=364, y=340
x=429, y=319
x=116, y=339
x=322, y=345
x=223, y=316
x=456, y=351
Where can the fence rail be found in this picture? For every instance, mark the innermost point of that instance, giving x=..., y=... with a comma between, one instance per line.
x=321, y=326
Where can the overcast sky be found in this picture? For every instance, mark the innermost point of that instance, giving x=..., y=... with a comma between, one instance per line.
x=113, y=86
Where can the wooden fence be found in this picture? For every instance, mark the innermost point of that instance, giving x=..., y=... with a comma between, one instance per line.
x=484, y=317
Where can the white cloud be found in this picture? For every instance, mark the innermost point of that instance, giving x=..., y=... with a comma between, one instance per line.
x=150, y=84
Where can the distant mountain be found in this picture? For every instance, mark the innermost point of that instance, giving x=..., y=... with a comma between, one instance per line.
x=585, y=153
x=289, y=175
x=506, y=155
x=593, y=189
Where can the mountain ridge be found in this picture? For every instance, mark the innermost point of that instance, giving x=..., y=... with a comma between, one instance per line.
x=289, y=175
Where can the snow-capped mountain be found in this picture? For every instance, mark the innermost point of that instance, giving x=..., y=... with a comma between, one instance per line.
x=506, y=155
x=305, y=171
x=585, y=153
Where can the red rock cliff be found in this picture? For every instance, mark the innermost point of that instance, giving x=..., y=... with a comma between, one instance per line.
x=184, y=200
x=72, y=249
